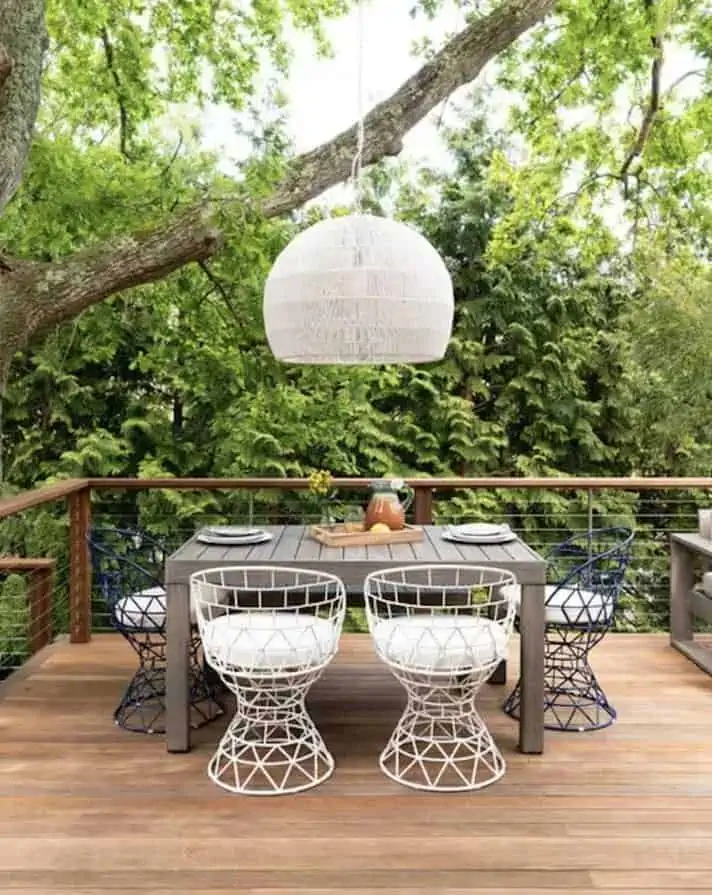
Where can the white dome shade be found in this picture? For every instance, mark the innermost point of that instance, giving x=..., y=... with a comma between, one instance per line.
x=359, y=289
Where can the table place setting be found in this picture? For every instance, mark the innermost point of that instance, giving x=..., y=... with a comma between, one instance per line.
x=479, y=533
x=233, y=536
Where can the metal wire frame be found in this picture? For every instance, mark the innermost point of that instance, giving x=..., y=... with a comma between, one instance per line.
x=269, y=632
x=442, y=630
x=136, y=601
x=587, y=572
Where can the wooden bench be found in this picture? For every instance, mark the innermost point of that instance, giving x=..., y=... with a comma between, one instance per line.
x=41, y=578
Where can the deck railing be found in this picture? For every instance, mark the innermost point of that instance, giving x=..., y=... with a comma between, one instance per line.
x=52, y=522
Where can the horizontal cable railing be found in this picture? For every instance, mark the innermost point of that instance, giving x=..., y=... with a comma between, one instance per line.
x=544, y=518
x=542, y=512
x=35, y=571
x=34, y=608
x=52, y=523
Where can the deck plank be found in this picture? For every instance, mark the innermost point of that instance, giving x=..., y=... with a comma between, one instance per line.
x=88, y=808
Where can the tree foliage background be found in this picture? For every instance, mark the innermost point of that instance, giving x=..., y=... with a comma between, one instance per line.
x=577, y=235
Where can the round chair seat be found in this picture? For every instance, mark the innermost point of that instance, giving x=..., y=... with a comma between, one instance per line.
x=271, y=641
x=440, y=642
x=570, y=605
x=142, y=611
x=145, y=610
x=575, y=606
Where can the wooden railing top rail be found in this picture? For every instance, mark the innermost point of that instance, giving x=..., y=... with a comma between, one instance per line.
x=217, y=484
x=38, y=496
x=25, y=563
x=58, y=490
x=440, y=484
x=28, y=499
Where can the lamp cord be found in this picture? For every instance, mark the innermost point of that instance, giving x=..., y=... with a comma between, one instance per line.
x=357, y=163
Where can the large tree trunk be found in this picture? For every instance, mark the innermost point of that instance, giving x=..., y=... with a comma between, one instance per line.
x=22, y=43
x=35, y=296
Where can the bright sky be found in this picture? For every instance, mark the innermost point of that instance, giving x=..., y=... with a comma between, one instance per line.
x=324, y=93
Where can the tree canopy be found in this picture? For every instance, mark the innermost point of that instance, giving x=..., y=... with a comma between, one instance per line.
x=577, y=238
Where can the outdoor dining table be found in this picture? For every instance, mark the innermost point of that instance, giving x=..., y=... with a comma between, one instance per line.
x=292, y=545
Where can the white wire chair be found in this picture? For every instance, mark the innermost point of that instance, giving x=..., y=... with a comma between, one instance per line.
x=442, y=630
x=269, y=632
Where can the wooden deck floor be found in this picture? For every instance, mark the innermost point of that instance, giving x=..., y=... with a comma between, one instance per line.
x=87, y=808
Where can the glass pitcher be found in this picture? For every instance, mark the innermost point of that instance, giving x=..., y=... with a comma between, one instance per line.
x=385, y=505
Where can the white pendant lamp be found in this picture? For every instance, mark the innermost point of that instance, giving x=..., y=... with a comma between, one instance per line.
x=358, y=289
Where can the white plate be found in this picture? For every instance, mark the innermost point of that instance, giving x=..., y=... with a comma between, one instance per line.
x=478, y=539
x=217, y=541
x=502, y=538
x=478, y=530
x=232, y=531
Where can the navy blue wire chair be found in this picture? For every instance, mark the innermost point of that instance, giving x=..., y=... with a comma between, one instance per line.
x=127, y=568
x=586, y=575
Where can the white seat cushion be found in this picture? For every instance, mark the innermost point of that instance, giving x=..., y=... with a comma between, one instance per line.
x=270, y=640
x=144, y=611
x=569, y=605
x=575, y=606
x=440, y=642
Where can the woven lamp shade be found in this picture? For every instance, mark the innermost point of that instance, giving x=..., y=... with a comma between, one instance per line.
x=358, y=290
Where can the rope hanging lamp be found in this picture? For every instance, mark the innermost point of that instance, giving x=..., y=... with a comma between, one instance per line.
x=358, y=289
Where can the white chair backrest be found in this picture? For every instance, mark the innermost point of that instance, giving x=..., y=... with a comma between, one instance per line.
x=441, y=617
x=263, y=618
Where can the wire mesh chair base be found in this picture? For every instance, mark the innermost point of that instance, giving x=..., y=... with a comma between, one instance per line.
x=142, y=708
x=574, y=701
x=272, y=747
x=441, y=743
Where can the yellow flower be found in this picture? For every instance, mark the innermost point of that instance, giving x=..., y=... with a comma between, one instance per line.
x=320, y=482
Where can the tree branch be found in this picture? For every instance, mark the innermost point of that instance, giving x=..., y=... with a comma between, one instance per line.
x=174, y=156
x=219, y=287
x=693, y=73
x=123, y=113
x=22, y=43
x=651, y=111
x=44, y=295
x=553, y=101
x=67, y=287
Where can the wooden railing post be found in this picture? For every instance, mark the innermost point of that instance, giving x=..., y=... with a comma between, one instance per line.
x=423, y=506
x=79, y=506
x=41, y=582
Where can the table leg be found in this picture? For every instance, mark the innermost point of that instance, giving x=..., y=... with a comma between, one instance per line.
x=682, y=580
x=499, y=675
x=532, y=633
x=177, y=668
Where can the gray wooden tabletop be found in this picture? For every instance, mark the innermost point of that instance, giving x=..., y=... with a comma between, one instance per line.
x=693, y=541
x=293, y=545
